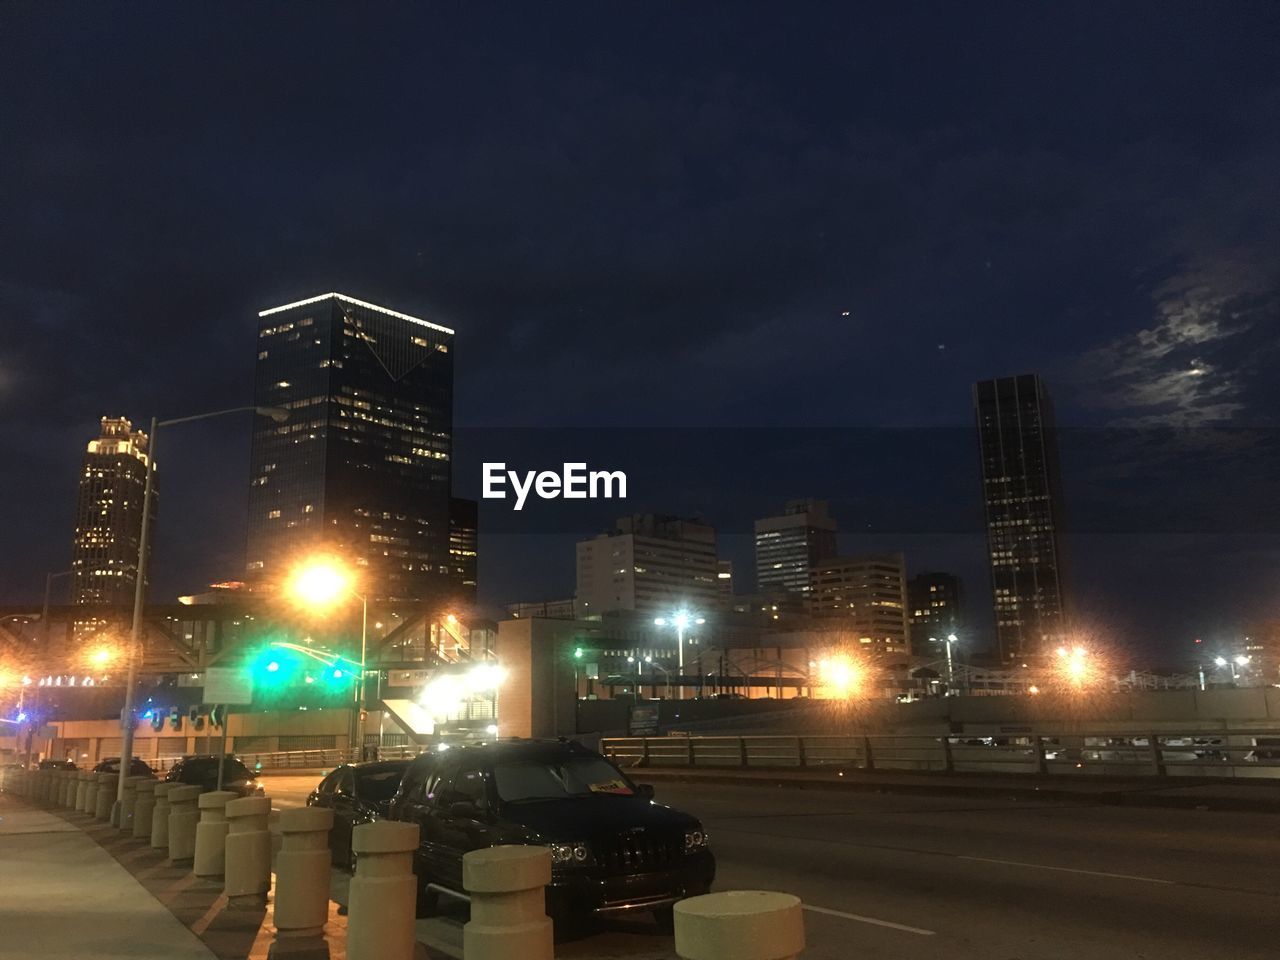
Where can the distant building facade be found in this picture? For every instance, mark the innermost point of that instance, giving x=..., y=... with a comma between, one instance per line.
x=934, y=608
x=464, y=541
x=869, y=594
x=788, y=546
x=1022, y=497
x=651, y=564
x=104, y=553
x=363, y=467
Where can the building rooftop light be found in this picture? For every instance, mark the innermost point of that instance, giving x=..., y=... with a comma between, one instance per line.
x=358, y=303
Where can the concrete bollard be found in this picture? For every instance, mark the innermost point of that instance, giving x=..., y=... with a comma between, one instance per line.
x=59, y=788
x=211, y=833
x=742, y=924
x=42, y=785
x=383, y=892
x=247, y=873
x=508, y=903
x=143, y=809
x=83, y=779
x=302, y=873
x=91, y=795
x=160, y=816
x=183, y=817
x=66, y=788
x=106, y=796
x=129, y=803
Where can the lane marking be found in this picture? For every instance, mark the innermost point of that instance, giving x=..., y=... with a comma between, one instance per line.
x=1090, y=873
x=872, y=920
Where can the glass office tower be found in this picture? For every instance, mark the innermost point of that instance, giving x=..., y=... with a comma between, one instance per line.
x=1022, y=494
x=362, y=468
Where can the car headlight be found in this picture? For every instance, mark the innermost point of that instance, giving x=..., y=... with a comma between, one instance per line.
x=568, y=852
x=695, y=840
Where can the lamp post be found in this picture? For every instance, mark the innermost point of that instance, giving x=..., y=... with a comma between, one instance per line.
x=277, y=414
x=951, y=670
x=680, y=619
x=320, y=583
x=665, y=672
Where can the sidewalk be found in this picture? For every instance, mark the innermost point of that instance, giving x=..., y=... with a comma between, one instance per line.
x=1250, y=796
x=64, y=896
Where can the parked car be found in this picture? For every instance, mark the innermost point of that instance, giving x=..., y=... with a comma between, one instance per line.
x=51, y=764
x=202, y=771
x=138, y=768
x=613, y=848
x=356, y=793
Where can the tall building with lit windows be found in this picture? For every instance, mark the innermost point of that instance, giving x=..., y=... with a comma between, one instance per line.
x=362, y=467
x=651, y=564
x=104, y=554
x=1022, y=495
x=869, y=594
x=788, y=546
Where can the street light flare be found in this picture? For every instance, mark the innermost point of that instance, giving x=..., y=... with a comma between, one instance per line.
x=320, y=582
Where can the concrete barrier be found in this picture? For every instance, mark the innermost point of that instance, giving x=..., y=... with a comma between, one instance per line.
x=67, y=788
x=106, y=796
x=211, y=833
x=508, y=904
x=44, y=780
x=160, y=816
x=739, y=924
x=83, y=779
x=129, y=803
x=143, y=809
x=247, y=873
x=302, y=873
x=183, y=817
x=383, y=892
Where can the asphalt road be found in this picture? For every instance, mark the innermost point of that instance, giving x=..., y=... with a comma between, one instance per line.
x=892, y=877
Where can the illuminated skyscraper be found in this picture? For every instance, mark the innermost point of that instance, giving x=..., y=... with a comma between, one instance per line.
x=104, y=555
x=362, y=468
x=789, y=546
x=1022, y=494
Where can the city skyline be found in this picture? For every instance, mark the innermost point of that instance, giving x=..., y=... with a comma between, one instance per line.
x=638, y=234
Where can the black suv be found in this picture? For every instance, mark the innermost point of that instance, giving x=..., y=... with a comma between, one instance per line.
x=613, y=848
x=137, y=768
x=202, y=772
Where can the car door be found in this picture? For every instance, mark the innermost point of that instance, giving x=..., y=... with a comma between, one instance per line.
x=462, y=818
x=346, y=810
x=322, y=796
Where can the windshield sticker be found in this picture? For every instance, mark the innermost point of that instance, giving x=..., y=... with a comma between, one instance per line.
x=611, y=786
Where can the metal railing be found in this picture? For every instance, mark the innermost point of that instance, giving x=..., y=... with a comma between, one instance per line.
x=1229, y=753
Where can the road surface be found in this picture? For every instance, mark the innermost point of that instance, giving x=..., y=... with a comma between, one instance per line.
x=896, y=877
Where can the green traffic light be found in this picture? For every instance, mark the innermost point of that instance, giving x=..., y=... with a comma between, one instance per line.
x=577, y=654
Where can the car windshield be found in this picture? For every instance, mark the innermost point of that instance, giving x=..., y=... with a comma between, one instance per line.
x=378, y=785
x=556, y=779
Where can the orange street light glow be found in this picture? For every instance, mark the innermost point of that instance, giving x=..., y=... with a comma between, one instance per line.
x=320, y=583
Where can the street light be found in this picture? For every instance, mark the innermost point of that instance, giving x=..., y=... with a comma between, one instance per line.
x=951, y=672
x=680, y=619
x=320, y=583
x=278, y=415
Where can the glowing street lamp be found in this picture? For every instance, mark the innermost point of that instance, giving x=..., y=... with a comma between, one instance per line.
x=321, y=583
x=680, y=620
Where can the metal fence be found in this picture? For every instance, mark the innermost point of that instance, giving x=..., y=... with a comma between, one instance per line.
x=1229, y=753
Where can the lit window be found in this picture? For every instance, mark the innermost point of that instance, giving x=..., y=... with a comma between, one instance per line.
x=273, y=514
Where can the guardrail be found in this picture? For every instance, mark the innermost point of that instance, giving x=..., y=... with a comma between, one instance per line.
x=1234, y=754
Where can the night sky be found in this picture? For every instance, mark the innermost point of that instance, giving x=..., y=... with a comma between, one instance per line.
x=776, y=243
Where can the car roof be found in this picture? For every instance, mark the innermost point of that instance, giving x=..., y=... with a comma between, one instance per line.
x=379, y=766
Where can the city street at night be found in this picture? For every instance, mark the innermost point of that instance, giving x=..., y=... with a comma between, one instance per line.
x=891, y=876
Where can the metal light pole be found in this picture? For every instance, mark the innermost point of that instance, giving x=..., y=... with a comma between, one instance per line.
x=364, y=652
x=680, y=620
x=279, y=415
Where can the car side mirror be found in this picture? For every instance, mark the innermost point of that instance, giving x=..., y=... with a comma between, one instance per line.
x=644, y=791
